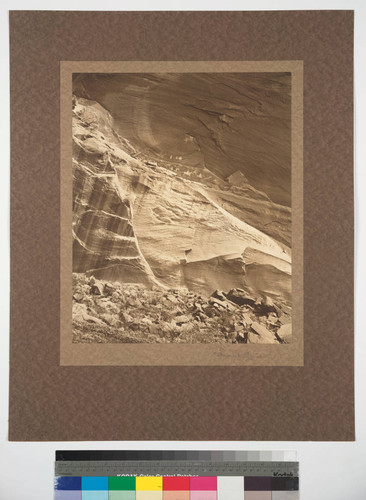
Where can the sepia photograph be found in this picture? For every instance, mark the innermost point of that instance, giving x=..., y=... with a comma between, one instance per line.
x=182, y=208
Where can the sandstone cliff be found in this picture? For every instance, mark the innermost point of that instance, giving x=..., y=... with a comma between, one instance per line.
x=166, y=220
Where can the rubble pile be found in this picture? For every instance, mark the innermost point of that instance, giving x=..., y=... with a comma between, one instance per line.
x=109, y=312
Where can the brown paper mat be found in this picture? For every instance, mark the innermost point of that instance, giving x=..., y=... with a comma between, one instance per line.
x=180, y=354
x=53, y=402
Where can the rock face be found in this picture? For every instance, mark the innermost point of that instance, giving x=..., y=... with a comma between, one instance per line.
x=150, y=208
x=227, y=123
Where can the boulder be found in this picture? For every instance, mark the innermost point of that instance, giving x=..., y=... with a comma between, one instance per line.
x=285, y=332
x=239, y=327
x=248, y=320
x=240, y=297
x=253, y=338
x=241, y=335
x=93, y=319
x=125, y=317
x=172, y=298
x=116, y=297
x=186, y=328
x=97, y=287
x=80, y=314
x=154, y=329
x=267, y=306
x=273, y=323
x=109, y=289
x=278, y=311
x=106, y=302
x=176, y=311
x=78, y=297
x=218, y=295
x=267, y=301
x=167, y=327
x=146, y=321
x=110, y=319
x=88, y=301
x=230, y=306
x=265, y=336
x=217, y=303
x=198, y=306
x=182, y=319
x=273, y=320
x=134, y=302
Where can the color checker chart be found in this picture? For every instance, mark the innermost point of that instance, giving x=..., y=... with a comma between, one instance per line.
x=141, y=479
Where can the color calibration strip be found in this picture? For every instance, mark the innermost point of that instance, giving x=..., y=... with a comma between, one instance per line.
x=176, y=488
x=167, y=475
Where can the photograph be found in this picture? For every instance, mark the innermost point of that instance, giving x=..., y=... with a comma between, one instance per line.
x=182, y=208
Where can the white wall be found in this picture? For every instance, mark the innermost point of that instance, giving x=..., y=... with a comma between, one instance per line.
x=329, y=471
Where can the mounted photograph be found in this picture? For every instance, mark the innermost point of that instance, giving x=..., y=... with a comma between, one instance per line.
x=182, y=220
